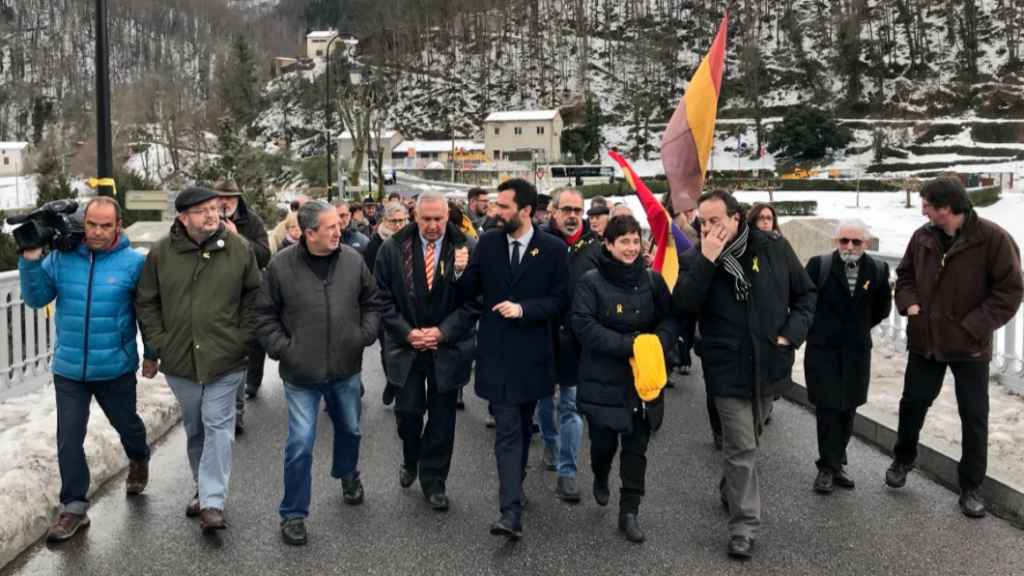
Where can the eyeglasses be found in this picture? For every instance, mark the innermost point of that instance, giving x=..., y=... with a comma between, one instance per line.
x=207, y=210
x=398, y=220
x=854, y=241
x=765, y=218
x=570, y=210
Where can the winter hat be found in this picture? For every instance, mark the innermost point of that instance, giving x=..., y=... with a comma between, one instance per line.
x=648, y=363
x=190, y=197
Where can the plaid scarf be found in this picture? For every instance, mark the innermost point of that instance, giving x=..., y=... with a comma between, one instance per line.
x=730, y=261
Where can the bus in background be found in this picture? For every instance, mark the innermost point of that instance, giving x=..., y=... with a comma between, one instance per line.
x=552, y=176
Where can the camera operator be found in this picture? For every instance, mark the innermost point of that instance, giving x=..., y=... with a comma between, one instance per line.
x=96, y=354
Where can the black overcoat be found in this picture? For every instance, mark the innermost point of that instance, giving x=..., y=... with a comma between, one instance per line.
x=837, y=363
x=515, y=359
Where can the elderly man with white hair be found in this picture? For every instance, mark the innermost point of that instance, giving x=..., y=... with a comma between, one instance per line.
x=853, y=297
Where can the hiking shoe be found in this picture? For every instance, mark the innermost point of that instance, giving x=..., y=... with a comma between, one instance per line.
x=293, y=532
x=66, y=526
x=138, y=477
x=352, y=489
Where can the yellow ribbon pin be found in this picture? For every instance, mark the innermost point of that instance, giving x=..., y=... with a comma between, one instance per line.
x=534, y=252
x=756, y=267
x=618, y=308
x=867, y=284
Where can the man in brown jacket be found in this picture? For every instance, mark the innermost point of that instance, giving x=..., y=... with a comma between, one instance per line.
x=958, y=282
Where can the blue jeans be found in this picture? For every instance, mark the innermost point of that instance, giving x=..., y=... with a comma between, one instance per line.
x=545, y=418
x=208, y=416
x=344, y=408
x=570, y=431
x=117, y=399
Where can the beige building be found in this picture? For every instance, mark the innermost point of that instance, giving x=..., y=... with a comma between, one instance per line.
x=412, y=153
x=318, y=41
x=13, y=158
x=524, y=136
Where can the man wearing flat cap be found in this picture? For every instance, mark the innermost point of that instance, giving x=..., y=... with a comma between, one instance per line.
x=194, y=303
x=239, y=219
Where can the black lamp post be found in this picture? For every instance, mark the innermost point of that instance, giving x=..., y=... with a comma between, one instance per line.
x=104, y=154
x=327, y=111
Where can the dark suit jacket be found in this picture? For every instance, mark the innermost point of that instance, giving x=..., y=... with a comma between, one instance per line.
x=408, y=305
x=515, y=360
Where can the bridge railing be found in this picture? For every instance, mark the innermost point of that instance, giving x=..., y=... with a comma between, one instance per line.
x=1007, y=344
x=27, y=337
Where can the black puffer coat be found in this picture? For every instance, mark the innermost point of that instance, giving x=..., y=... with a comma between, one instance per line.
x=611, y=306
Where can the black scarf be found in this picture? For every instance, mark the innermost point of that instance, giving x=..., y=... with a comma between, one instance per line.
x=730, y=260
x=619, y=273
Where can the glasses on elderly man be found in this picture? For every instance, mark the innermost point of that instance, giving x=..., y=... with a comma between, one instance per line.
x=854, y=241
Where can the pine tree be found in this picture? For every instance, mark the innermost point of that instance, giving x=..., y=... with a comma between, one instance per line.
x=239, y=88
x=52, y=183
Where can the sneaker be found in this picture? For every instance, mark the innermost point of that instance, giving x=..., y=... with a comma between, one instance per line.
x=896, y=475
x=67, y=525
x=352, y=489
x=138, y=477
x=971, y=503
x=293, y=532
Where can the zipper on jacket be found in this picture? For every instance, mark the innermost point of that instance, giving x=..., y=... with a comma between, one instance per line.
x=88, y=312
x=327, y=356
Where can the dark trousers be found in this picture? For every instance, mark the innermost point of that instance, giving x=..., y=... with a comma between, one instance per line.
x=921, y=387
x=254, y=372
x=117, y=399
x=604, y=442
x=513, y=428
x=429, y=448
x=834, y=430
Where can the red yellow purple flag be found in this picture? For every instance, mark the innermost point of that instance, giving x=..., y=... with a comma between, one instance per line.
x=689, y=137
x=666, y=258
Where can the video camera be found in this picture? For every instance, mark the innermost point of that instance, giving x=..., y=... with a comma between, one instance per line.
x=57, y=224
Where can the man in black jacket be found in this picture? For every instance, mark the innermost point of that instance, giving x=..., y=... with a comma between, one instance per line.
x=520, y=274
x=318, y=309
x=238, y=219
x=853, y=297
x=430, y=340
x=754, y=303
x=584, y=247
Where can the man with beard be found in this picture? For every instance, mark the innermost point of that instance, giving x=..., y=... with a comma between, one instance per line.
x=238, y=219
x=520, y=275
x=476, y=206
x=853, y=297
x=959, y=281
x=754, y=303
x=195, y=303
x=583, y=247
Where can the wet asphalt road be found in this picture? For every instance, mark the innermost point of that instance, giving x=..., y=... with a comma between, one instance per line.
x=872, y=530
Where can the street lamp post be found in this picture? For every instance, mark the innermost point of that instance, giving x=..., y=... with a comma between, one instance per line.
x=327, y=112
x=104, y=154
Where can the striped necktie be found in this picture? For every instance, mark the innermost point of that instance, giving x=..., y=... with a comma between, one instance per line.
x=428, y=266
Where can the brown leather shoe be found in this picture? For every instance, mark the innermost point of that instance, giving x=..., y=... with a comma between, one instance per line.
x=192, y=510
x=211, y=519
x=66, y=527
x=138, y=477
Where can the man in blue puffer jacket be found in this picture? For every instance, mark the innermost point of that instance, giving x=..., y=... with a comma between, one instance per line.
x=96, y=354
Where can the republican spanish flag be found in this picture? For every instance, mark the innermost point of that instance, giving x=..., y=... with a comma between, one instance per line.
x=666, y=258
x=689, y=137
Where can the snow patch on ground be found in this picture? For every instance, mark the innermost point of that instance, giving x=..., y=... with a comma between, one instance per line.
x=17, y=192
x=28, y=448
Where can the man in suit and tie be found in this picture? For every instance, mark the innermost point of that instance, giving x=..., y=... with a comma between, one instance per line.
x=430, y=339
x=520, y=274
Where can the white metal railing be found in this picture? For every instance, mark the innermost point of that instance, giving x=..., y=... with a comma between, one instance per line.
x=1007, y=343
x=27, y=336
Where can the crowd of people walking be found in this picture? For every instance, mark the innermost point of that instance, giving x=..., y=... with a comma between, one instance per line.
x=556, y=318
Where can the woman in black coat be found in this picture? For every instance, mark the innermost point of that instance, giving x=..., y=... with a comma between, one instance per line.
x=614, y=303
